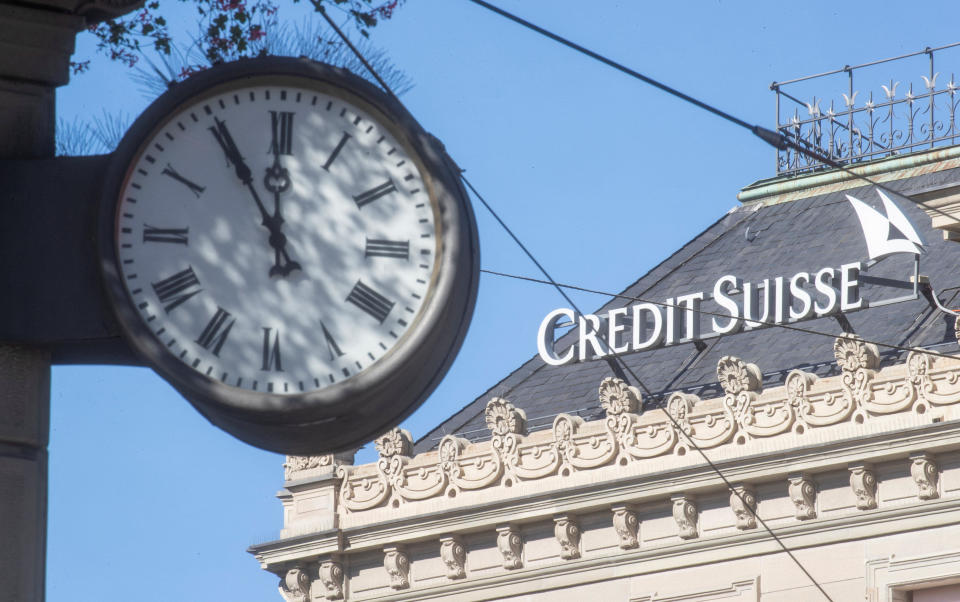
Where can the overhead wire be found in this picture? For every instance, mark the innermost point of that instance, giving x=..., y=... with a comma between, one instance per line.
x=776, y=139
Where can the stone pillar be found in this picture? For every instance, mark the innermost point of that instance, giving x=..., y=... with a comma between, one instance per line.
x=36, y=41
x=24, y=428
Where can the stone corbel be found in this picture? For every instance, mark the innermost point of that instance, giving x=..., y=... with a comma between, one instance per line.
x=331, y=578
x=397, y=564
x=686, y=514
x=510, y=545
x=295, y=586
x=567, y=532
x=454, y=556
x=743, y=502
x=863, y=481
x=803, y=494
x=627, y=525
x=926, y=474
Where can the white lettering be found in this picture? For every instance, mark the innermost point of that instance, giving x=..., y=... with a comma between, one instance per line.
x=691, y=305
x=797, y=292
x=546, y=334
x=782, y=301
x=850, y=298
x=614, y=329
x=589, y=335
x=720, y=296
x=824, y=282
x=640, y=326
x=751, y=304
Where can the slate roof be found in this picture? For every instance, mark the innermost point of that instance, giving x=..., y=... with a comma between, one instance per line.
x=783, y=239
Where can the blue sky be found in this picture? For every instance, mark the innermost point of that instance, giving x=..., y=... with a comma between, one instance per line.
x=601, y=176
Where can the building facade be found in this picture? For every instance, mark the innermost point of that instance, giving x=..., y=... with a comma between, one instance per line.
x=815, y=461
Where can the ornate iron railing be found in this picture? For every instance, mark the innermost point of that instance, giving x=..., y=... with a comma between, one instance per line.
x=898, y=119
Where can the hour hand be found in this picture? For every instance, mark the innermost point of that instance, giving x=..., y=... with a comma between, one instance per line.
x=225, y=140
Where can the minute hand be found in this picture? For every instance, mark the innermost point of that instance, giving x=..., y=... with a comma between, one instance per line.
x=272, y=223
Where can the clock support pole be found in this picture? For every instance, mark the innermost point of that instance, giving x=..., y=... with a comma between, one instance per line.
x=36, y=41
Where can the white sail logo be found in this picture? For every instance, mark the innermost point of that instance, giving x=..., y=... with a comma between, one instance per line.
x=886, y=234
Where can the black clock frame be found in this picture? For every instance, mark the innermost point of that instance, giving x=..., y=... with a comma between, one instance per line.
x=349, y=413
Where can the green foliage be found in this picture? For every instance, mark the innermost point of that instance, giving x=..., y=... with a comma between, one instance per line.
x=228, y=29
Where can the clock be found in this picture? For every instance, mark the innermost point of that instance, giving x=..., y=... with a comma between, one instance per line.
x=285, y=245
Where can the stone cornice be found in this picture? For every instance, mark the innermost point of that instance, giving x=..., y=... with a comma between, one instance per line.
x=785, y=189
x=698, y=552
x=747, y=424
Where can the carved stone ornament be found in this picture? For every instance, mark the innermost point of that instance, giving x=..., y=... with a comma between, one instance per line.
x=331, y=577
x=686, y=514
x=502, y=418
x=803, y=494
x=863, y=481
x=737, y=376
x=396, y=442
x=567, y=532
x=295, y=586
x=743, y=502
x=397, y=564
x=454, y=556
x=510, y=545
x=956, y=328
x=926, y=474
x=627, y=526
x=295, y=464
x=617, y=397
x=853, y=354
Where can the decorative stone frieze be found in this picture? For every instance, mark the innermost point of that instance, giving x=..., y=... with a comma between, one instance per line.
x=567, y=532
x=296, y=464
x=623, y=438
x=295, y=586
x=510, y=545
x=743, y=502
x=627, y=525
x=863, y=481
x=803, y=494
x=926, y=474
x=454, y=556
x=397, y=564
x=331, y=578
x=686, y=514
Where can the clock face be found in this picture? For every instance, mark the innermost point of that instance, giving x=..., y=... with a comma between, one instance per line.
x=276, y=237
x=286, y=246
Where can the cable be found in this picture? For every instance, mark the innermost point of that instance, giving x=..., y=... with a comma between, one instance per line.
x=776, y=139
x=613, y=360
x=320, y=9
x=762, y=132
x=712, y=313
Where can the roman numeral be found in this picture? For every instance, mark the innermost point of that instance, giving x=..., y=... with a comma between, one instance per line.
x=176, y=289
x=336, y=151
x=332, y=346
x=370, y=301
x=374, y=193
x=217, y=330
x=171, y=235
x=388, y=248
x=271, y=352
x=281, y=124
x=171, y=172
